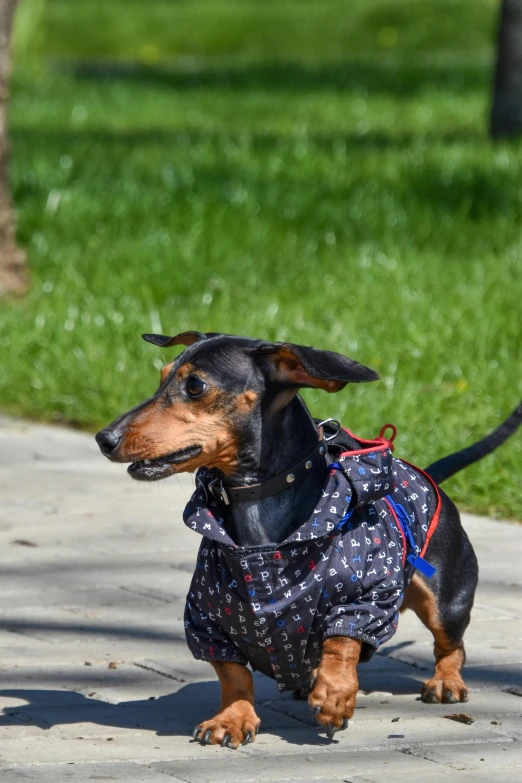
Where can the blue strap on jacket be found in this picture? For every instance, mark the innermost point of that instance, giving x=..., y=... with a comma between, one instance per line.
x=414, y=558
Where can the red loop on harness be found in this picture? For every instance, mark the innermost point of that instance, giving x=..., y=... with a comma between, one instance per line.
x=389, y=440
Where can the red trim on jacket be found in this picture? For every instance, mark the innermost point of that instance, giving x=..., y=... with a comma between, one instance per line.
x=435, y=518
x=380, y=444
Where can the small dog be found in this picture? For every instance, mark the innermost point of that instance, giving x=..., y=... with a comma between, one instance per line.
x=313, y=539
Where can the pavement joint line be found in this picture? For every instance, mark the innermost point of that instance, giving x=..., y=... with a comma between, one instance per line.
x=389, y=748
x=413, y=664
x=514, y=690
x=146, y=594
x=487, y=689
x=417, y=665
x=185, y=568
x=471, y=666
x=417, y=752
x=320, y=749
x=157, y=671
x=503, y=737
x=164, y=772
x=467, y=666
x=24, y=628
x=491, y=608
x=286, y=712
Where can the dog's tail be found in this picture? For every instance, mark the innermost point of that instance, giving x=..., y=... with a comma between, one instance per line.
x=448, y=466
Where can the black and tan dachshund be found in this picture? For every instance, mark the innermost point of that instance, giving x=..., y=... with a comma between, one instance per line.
x=229, y=406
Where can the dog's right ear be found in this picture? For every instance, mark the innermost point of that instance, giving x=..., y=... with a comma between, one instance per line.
x=184, y=338
x=301, y=366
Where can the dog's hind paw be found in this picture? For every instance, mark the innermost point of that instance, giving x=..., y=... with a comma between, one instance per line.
x=448, y=691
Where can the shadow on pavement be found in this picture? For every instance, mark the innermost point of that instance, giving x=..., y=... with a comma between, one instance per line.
x=173, y=715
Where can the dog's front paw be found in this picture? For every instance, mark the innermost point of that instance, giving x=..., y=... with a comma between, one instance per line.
x=234, y=726
x=332, y=701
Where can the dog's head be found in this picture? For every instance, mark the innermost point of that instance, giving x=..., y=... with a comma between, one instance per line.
x=212, y=395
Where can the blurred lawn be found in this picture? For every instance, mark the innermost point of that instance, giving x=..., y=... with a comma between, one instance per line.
x=309, y=171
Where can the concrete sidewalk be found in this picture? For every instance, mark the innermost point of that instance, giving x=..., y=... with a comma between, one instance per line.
x=97, y=682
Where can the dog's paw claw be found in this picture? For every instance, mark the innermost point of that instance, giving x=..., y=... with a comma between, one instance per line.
x=316, y=711
x=206, y=737
x=248, y=738
x=197, y=731
x=330, y=730
x=344, y=724
x=463, y=695
x=226, y=740
x=429, y=696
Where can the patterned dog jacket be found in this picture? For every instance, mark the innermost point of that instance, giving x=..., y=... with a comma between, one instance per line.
x=341, y=573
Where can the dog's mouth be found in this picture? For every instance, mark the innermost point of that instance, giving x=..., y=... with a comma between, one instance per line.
x=161, y=467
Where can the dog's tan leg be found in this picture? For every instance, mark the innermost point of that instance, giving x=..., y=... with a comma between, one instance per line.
x=236, y=723
x=335, y=683
x=446, y=685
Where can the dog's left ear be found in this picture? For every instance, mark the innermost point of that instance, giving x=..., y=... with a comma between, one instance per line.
x=300, y=365
x=184, y=338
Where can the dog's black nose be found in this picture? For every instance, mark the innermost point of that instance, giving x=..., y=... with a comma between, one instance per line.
x=108, y=440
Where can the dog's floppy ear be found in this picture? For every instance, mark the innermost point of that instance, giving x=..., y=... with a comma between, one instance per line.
x=300, y=365
x=184, y=338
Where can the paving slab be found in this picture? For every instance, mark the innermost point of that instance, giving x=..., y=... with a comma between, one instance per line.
x=74, y=772
x=96, y=681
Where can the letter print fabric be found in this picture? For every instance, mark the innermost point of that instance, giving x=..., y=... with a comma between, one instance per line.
x=341, y=573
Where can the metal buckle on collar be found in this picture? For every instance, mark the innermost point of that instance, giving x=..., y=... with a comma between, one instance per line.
x=336, y=433
x=218, y=491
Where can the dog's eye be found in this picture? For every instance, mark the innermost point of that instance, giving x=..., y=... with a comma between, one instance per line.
x=195, y=387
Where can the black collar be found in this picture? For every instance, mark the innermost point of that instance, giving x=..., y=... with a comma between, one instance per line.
x=316, y=460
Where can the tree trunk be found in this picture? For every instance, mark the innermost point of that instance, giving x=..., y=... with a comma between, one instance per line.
x=13, y=271
x=506, y=114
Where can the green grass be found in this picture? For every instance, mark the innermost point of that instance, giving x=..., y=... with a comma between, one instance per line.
x=317, y=172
